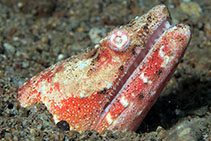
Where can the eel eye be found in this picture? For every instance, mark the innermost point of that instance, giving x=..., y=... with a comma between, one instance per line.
x=119, y=40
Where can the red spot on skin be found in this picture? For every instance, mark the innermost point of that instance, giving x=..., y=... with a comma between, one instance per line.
x=59, y=69
x=43, y=77
x=117, y=109
x=50, y=91
x=57, y=87
x=38, y=98
x=49, y=75
x=34, y=91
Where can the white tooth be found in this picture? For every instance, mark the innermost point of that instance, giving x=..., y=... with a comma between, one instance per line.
x=167, y=24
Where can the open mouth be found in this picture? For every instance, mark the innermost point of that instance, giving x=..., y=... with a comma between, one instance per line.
x=158, y=32
x=149, y=44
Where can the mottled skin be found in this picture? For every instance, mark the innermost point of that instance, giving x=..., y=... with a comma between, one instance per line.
x=107, y=89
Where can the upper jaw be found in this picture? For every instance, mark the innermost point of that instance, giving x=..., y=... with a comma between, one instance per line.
x=146, y=25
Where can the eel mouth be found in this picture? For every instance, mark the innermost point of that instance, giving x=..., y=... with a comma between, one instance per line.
x=158, y=32
x=150, y=42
